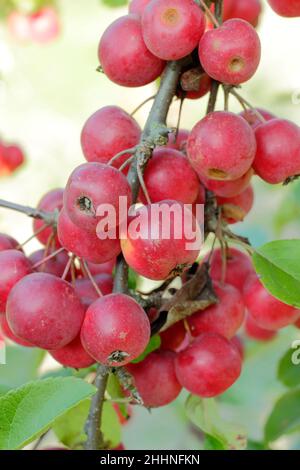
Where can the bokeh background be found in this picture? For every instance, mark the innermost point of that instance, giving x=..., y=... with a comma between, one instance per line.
x=46, y=94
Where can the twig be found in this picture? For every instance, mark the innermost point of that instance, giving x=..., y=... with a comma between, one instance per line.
x=50, y=218
x=120, y=154
x=46, y=258
x=243, y=102
x=142, y=104
x=91, y=278
x=209, y=13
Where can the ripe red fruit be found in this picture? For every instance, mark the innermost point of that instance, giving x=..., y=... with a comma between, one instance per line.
x=13, y=266
x=44, y=25
x=137, y=6
x=238, y=267
x=91, y=185
x=19, y=26
x=6, y=330
x=155, y=379
x=51, y=201
x=172, y=338
x=166, y=177
x=227, y=157
x=289, y=8
x=107, y=132
x=253, y=119
x=239, y=344
x=127, y=61
x=115, y=330
x=223, y=318
x=194, y=83
x=55, y=265
x=228, y=188
x=7, y=242
x=209, y=366
x=14, y=157
x=73, y=355
x=254, y=331
x=248, y=10
x=178, y=142
x=230, y=53
x=102, y=268
x=44, y=310
x=85, y=244
x=168, y=238
x=235, y=209
x=267, y=311
x=87, y=292
x=277, y=156
x=172, y=28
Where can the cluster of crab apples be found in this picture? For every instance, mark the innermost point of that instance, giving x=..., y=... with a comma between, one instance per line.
x=60, y=298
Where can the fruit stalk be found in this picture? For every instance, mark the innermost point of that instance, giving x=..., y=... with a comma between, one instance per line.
x=48, y=217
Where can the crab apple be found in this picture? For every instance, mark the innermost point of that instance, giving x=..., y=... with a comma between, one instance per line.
x=173, y=337
x=87, y=292
x=137, y=6
x=230, y=53
x=44, y=25
x=234, y=209
x=7, y=242
x=6, y=330
x=51, y=201
x=253, y=118
x=248, y=10
x=45, y=311
x=128, y=62
x=115, y=330
x=14, y=157
x=194, y=83
x=166, y=177
x=91, y=185
x=238, y=267
x=73, y=355
x=221, y=146
x=155, y=378
x=172, y=28
x=254, y=331
x=161, y=238
x=85, y=244
x=209, y=366
x=278, y=151
x=13, y=266
x=19, y=26
x=55, y=265
x=102, y=268
x=224, y=318
x=229, y=188
x=289, y=8
x=178, y=141
x=108, y=131
x=267, y=311
x=239, y=344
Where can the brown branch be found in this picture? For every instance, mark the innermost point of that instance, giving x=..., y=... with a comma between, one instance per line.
x=49, y=217
x=215, y=85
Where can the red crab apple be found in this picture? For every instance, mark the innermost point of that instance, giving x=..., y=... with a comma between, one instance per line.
x=85, y=244
x=115, y=330
x=239, y=344
x=254, y=119
x=172, y=28
x=267, y=311
x=278, y=151
x=194, y=83
x=178, y=141
x=223, y=318
x=221, y=146
x=248, y=10
x=108, y=131
x=90, y=186
x=137, y=6
x=102, y=268
x=6, y=330
x=229, y=188
x=44, y=25
x=209, y=366
x=19, y=26
x=51, y=201
x=45, y=311
x=86, y=290
x=127, y=61
x=166, y=177
x=7, y=242
x=254, y=331
x=14, y=157
x=155, y=378
x=238, y=267
x=173, y=337
x=55, y=265
x=234, y=209
x=73, y=355
x=230, y=53
x=160, y=238
x=288, y=8
x=13, y=266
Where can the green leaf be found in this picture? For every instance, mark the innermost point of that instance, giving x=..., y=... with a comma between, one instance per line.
x=211, y=443
x=114, y=3
x=285, y=416
x=28, y=411
x=132, y=279
x=110, y=426
x=69, y=428
x=204, y=414
x=153, y=344
x=21, y=366
x=288, y=371
x=115, y=391
x=278, y=265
